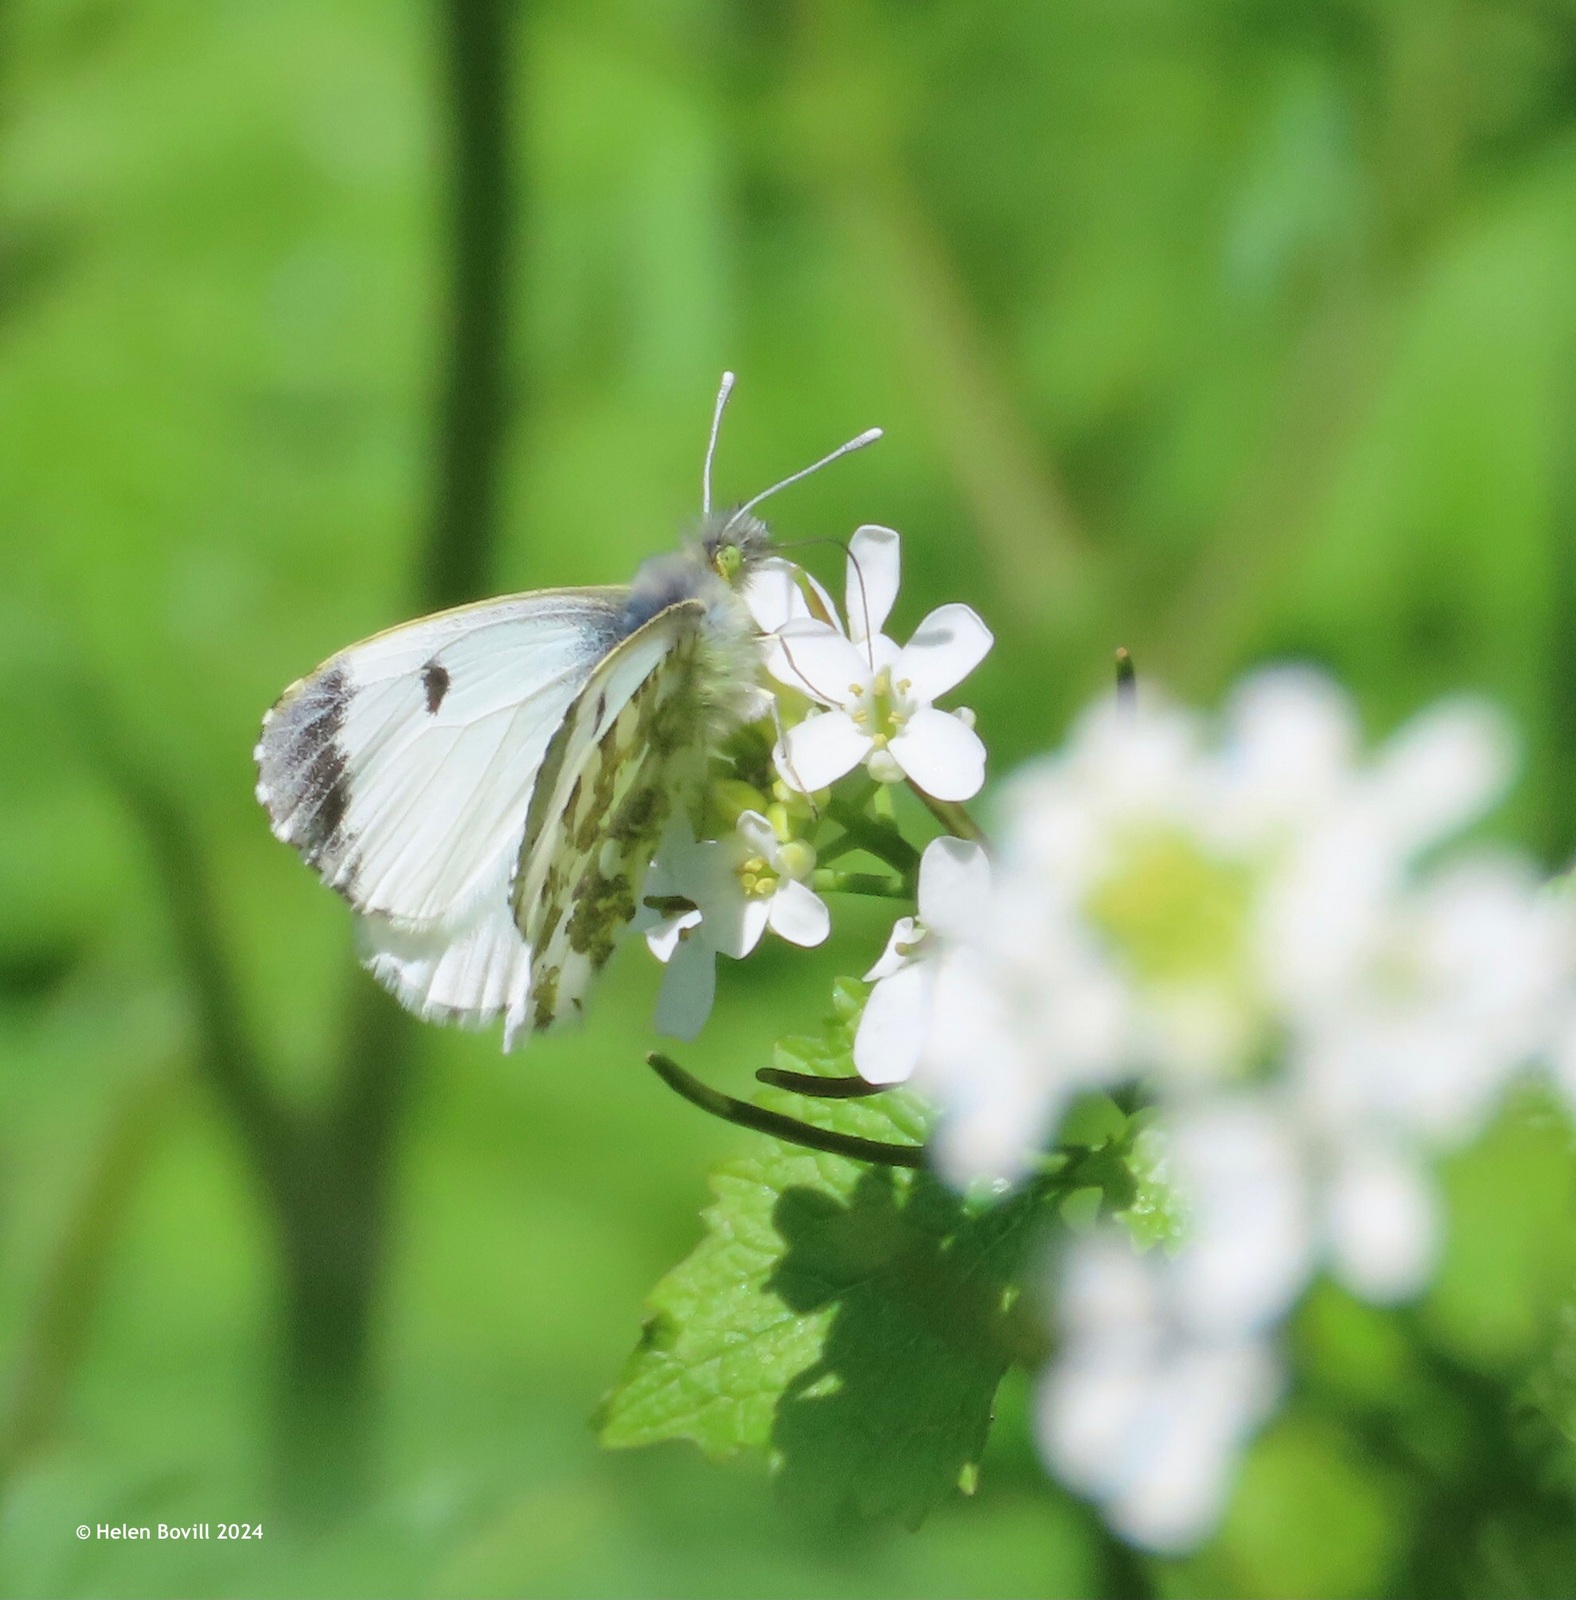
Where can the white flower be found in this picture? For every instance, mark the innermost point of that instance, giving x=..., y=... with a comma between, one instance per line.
x=1177, y=909
x=1165, y=1366
x=1031, y=1008
x=954, y=882
x=718, y=897
x=779, y=592
x=1459, y=985
x=882, y=714
x=1271, y=1195
x=1250, y=921
x=878, y=696
x=1137, y=1410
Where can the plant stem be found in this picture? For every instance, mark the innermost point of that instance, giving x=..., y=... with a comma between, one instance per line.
x=807, y=1083
x=55, y=1338
x=950, y=815
x=885, y=844
x=839, y=847
x=826, y=881
x=744, y=1115
x=476, y=47
x=1126, y=680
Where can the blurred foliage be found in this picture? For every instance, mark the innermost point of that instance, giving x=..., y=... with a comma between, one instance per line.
x=1217, y=329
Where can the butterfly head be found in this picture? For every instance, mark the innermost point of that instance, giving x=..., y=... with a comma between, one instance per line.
x=732, y=544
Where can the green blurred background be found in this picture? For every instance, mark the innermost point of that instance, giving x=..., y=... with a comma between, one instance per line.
x=1221, y=329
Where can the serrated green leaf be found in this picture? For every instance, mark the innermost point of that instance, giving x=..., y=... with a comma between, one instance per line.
x=849, y=1322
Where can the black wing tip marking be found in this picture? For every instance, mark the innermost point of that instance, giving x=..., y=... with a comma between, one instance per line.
x=303, y=776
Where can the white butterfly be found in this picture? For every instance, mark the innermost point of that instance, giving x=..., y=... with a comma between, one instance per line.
x=486, y=787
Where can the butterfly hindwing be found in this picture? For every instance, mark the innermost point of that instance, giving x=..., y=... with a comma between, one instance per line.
x=630, y=753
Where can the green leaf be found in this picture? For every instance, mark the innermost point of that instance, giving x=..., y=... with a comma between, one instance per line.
x=1153, y=1213
x=851, y=1323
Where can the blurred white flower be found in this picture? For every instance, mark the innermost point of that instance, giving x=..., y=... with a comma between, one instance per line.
x=954, y=883
x=718, y=897
x=1251, y=923
x=1206, y=906
x=1270, y=1195
x=1138, y=1410
x=1166, y=1364
x=1458, y=985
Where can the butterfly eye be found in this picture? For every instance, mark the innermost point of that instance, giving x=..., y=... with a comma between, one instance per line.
x=727, y=561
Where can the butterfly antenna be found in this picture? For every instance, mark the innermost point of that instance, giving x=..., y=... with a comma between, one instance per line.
x=869, y=436
x=859, y=573
x=711, y=443
x=864, y=606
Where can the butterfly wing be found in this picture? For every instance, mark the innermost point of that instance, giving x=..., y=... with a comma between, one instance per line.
x=631, y=752
x=403, y=769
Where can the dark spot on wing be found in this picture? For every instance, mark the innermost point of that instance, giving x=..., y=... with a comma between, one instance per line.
x=435, y=680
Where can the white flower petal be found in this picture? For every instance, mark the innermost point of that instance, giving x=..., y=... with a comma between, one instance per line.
x=954, y=884
x=1442, y=770
x=771, y=594
x=753, y=917
x=819, y=750
x=664, y=939
x=823, y=663
x=1383, y=1217
x=894, y=1027
x=774, y=596
x=757, y=834
x=874, y=567
x=1201, y=1412
x=1291, y=740
x=799, y=915
x=689, y=986
x=903, y=932
x=1250, y=1246
x=947, y=646
x=943, y=756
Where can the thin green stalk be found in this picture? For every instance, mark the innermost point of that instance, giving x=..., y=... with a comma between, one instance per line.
x=826, y=881
x=54, y=1340
x=885, y=844
x=742, y=1114
x=950, y=815
x=476, y=402
x=839, y=847
x=807, y=1083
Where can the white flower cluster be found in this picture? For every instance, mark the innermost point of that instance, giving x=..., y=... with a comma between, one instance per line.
x=850, y=697
x=1252, y=924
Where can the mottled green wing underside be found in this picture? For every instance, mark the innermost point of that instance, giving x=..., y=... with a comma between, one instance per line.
x=630, y=755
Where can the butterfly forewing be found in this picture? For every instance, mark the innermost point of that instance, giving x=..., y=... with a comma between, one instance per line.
x=631, y=752
x=403, y=767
